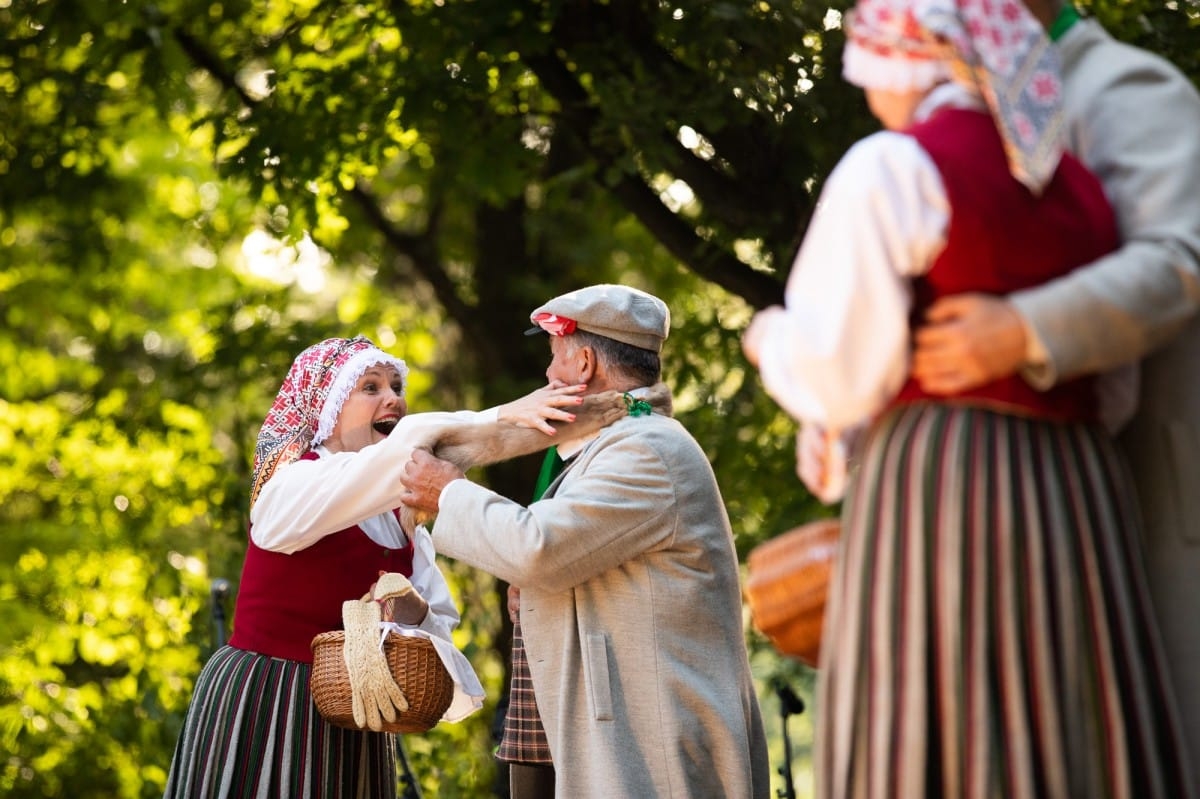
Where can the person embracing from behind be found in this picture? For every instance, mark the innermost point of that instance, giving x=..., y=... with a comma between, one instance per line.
x=324, y=523
x=630, y=604
x=988, y=630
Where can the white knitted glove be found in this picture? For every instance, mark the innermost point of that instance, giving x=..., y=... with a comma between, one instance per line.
x=375, y=697
x=398, y=600
x=390, y=585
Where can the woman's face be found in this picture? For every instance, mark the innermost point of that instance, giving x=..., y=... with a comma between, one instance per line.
x=370, y=412
x=894, y=110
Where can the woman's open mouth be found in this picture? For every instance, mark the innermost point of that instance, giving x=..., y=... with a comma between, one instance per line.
x=385, y=426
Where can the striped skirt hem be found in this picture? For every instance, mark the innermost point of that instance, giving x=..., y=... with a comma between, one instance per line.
x=989, y=632
x=253, y=732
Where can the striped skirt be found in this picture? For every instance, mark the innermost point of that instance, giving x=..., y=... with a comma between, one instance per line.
x=252, y=730
x=988, y=629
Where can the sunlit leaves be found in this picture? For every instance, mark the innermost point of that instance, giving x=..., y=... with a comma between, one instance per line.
x=96, y=642
x=192, y=191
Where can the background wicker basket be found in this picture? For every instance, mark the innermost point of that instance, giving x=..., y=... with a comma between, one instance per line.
x=787, y=577
x=415, y=666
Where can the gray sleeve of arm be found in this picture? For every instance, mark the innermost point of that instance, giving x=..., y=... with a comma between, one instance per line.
x=1134, y=123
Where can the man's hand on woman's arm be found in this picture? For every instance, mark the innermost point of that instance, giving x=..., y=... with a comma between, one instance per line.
x=424, y=477
x=968, y=340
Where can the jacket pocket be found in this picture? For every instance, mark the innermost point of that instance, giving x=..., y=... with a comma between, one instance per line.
x=596, y=674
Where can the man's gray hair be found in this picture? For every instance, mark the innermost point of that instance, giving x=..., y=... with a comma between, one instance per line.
x=640, y=365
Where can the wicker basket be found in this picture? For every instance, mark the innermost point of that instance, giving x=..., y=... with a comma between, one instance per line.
x=415, y=666
x=785, y=587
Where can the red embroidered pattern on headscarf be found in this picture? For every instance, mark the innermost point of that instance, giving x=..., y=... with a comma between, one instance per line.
x=995, y=46
x=310, y=399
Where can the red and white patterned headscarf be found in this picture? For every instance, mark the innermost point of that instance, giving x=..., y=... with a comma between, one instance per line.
x=311, y=398
x=995, y=46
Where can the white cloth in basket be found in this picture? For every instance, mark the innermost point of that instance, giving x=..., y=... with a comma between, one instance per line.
x=468, y=692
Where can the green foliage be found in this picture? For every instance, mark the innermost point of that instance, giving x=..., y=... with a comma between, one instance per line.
x=191, y=192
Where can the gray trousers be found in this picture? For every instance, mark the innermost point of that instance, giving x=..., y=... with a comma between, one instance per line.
x=530, y=781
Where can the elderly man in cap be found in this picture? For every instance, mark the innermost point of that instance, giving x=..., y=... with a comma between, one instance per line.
x=630, y=603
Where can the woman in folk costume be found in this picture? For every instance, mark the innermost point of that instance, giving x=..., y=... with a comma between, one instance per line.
x=988, y=631
x=323, y=526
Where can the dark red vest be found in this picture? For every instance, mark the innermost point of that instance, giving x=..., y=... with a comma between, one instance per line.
x=285, y=600
x=1003, y=238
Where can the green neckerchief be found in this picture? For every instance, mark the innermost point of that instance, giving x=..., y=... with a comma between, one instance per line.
x=552, y=466
x=1068, y=15
x=637, y=407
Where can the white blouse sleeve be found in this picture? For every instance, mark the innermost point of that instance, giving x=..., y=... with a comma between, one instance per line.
x=430, y=583
x=307, y=500
x=839, y=350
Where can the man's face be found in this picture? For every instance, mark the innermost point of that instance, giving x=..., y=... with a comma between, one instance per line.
x=567, y=361
x=1044, y=10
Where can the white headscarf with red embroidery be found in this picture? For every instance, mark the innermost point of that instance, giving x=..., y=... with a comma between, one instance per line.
x=995, y=46
x=311, y=398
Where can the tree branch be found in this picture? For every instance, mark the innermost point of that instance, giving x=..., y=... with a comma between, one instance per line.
x=211, y=64
x=421, y=250
x=709, y=262
x=680, y=239
x=740, y=186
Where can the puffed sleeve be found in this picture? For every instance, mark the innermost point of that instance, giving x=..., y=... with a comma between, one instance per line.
x=839, y=349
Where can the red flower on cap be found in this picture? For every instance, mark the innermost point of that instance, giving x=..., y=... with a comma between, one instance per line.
x=554, y=324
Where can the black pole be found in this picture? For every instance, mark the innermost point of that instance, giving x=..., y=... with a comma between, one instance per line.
x=219, y=591
x=408, y=780
x=789, y=704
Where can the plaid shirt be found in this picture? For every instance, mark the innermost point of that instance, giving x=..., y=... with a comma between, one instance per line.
x=524, y=739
